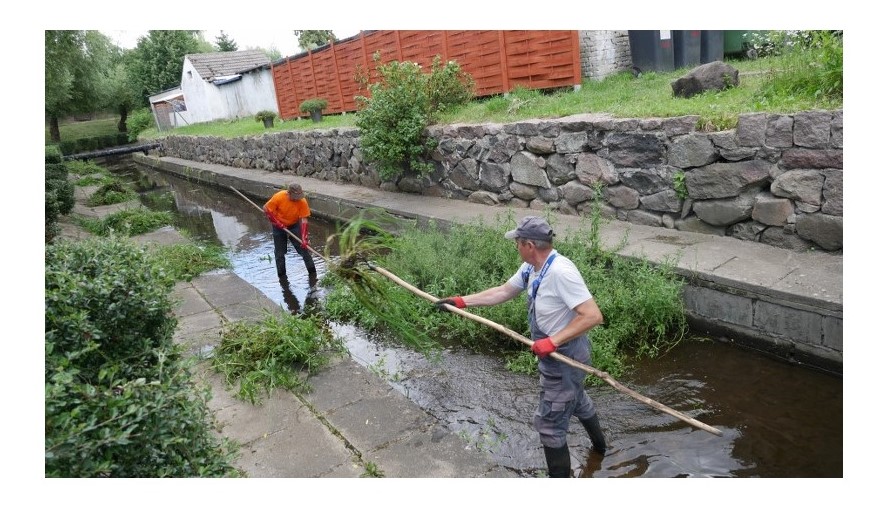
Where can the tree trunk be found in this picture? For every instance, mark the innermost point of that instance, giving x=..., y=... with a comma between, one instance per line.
x=54, y=133
x=123, y=116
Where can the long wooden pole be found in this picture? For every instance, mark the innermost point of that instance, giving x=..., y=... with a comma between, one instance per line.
x=518, y=337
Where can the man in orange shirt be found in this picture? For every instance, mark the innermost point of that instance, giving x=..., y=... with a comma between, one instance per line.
x=288, y=210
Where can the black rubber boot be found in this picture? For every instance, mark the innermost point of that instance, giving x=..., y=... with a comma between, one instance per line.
x=558, y=460
x=592, y=426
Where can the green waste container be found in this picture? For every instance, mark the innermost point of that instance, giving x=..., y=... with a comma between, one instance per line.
x=687, y=48
x=712, y=45
x=737, y=42
x=652, y=50
x=734, y=42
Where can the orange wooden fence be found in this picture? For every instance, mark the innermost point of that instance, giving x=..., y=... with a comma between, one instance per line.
x=498, y=61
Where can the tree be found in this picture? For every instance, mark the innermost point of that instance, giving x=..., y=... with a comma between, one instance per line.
x=273, y=53
x=225, y=44
x=122, y=90
x=158, y=59
x=76, y=64
x=310, y=39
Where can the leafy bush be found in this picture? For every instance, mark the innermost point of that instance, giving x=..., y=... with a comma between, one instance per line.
x=56, y=171
x=63, y=193
x=262, y=115
x=91, y=143
x=313, y=104
x=59, y=198
x=138, y=121
x=119, y=398
x=53, y=154
x=402, y=103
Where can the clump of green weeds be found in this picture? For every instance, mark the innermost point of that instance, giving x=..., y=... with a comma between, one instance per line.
x=184, y=261
x=129, y=222
x=371, y=470
x=680, y=185
x=111, y=192
x=804, y=65
x=279, y=351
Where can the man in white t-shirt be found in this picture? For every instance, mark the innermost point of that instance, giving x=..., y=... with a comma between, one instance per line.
x=561, y=310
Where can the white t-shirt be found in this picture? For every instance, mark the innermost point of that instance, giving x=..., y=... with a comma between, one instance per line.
x=561, y=290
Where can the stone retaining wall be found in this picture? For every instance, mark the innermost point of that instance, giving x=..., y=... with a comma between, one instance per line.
x=775, y=179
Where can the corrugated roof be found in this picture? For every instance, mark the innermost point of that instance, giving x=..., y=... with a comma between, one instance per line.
x=211, y=65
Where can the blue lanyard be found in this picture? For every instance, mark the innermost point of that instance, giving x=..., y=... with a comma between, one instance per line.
x=535, y=288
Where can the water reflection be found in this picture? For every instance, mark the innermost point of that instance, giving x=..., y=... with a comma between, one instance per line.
x=777, y=420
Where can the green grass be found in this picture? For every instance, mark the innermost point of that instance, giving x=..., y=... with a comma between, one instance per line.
x=248, y=127
x=74, y=130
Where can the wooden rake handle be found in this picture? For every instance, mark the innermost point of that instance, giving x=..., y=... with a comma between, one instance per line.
x=562, y=358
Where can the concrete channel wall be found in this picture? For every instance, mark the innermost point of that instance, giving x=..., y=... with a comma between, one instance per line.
x=783, y=302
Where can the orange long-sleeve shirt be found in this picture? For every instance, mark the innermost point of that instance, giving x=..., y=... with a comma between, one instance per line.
x=285, y=210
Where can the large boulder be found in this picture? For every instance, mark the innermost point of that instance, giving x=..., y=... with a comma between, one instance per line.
x=714, y=76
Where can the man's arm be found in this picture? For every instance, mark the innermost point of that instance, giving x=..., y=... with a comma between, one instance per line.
x=492, y=296
x=488, y=297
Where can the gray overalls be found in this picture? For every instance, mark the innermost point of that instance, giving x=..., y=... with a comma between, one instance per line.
x=562, y=393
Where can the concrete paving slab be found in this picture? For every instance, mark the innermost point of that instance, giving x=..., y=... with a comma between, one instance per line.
x=164, y=236
x=248, y=422
x=224, y=288
x=436, y=453
x=221, y=397
x=198, y=343
x=821, y=282
x=304, y=449
x=199, y=323
x=770, y=271
x=250, y=310
x=377, y=421
x=103, y=211
x=188, y=300
x=327, y=395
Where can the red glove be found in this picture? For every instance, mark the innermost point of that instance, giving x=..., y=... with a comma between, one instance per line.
x=304, y=233
x=543, y=347
x=273, y=219
x=456, y=301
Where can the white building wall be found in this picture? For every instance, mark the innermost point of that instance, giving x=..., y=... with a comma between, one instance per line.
x=255, y=92
x=205, y=101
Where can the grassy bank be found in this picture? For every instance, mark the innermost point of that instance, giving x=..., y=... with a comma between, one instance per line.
x=621, y=95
